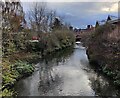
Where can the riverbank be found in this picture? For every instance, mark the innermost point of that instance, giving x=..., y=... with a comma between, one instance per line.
x=16, y=67
x=103, y=48
x=20, y=65
x=19, y=62
x=56, y=72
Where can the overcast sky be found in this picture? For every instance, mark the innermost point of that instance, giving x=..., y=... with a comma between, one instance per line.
x=80, y=14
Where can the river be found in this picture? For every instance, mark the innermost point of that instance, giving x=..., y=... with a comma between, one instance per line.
x=66, y=73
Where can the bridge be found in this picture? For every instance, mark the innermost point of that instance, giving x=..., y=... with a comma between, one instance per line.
x=77, y=35
x=83, y=32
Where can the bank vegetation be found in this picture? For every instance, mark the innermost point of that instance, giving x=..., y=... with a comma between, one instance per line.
x=25, y=41
x=103, y=49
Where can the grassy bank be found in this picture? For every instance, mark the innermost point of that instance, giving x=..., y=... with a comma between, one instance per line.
x=103, y=49
x=14, y=70
x=22, y=66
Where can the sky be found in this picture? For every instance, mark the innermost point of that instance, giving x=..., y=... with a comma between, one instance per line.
x=78, y=13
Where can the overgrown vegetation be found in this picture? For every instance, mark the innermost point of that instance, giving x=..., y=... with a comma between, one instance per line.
x=103, y=50
x=57, y=40
x=53, y=41
x=51, y=32
x=13, y=72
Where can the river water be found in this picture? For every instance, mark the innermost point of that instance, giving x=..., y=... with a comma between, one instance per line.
x=66, y=73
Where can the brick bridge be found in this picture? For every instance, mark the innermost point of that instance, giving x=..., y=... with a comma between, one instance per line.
x=78, y=37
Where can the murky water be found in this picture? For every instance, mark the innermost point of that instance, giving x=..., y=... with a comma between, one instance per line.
x=65, y=73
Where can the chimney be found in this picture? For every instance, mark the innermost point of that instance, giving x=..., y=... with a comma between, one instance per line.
x=88, y=26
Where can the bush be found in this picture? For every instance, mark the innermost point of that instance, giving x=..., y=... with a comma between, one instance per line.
x=7, y=93
x=23, y=68
x=52, y=41
x=103, y=50
x=12, y=72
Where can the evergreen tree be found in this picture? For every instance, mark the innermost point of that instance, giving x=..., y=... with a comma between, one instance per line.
x=97, y=24
x=57, y=24
x=108, y=19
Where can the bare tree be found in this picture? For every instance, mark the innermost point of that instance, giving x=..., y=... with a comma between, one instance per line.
x=41, y=18
x=36, y=15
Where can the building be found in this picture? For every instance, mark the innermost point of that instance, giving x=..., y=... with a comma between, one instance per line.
x=110, y=19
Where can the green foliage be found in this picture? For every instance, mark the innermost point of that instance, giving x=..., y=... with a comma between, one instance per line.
x=97, y=24
x=65, y=38
x=7, y=93
x=18, y=43
x=52, y=41
x=12, y=72
x=8, y=79
x=58, y=39
x=57, y=24
x=117, y=82
x=23, y=68
x=13, y=39
x=16, y=40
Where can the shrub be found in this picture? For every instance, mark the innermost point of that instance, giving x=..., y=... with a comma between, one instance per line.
x=23, y=68
x=7, y=93
x=52, y=41
x=12, y=72
x=101, y=32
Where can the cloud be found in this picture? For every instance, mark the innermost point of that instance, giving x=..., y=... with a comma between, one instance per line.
x=112, y=8
x=80, y=14
x=81, y=9
x=69, y=14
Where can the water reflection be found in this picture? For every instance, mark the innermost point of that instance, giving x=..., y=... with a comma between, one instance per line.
x=48, y=77
x=65, y=73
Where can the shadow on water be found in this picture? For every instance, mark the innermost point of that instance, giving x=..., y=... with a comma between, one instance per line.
x=101, y=84
x=59, y=55
x=103, y=87
x=63, y=73
x=48, y=79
